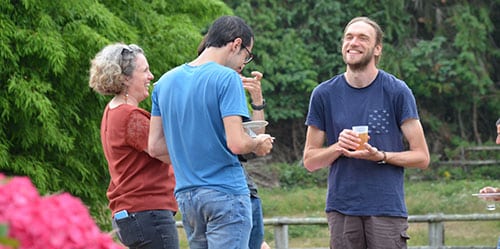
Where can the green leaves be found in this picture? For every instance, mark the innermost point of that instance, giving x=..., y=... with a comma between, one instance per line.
x=444, y=50
x=4, y=239
x=49, y=117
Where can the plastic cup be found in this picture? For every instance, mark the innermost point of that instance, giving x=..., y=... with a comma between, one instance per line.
x=362, y=131
x=491, y=206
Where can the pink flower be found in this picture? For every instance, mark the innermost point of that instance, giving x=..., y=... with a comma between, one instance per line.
x=57, y=221
x=17, y=192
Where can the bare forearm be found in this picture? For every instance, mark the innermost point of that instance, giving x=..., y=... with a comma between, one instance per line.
x=259, y=115
x=318, y=158
x=244, y=146
x=259, y=145
x=418, y=155
x=157, y=148
x=408, y=159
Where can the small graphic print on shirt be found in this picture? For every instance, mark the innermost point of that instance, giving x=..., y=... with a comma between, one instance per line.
x=378, y=121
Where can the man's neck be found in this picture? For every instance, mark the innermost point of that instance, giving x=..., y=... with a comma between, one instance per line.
x=211, y=54
x=361, y=78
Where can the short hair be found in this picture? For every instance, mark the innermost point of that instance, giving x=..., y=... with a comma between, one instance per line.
x=224, y=30
x=379, y=34
x=498, y=122
x=111, y=66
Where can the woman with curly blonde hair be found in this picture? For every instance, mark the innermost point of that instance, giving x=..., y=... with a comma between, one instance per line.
x=140, y=192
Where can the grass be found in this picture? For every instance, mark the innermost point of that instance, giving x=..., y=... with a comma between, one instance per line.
x=448, y=197
x=422, y=197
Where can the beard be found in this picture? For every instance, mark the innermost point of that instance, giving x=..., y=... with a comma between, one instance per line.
x=361, y=64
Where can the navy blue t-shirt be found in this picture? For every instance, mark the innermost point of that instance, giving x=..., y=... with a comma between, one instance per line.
x=361, y=187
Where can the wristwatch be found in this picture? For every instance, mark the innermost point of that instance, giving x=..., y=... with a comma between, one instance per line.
x=259, y=107
x=383, y=161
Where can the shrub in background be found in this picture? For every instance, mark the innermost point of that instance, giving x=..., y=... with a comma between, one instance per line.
x=295, y=175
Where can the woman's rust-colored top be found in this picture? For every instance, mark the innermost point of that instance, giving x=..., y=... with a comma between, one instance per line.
x=138, y=181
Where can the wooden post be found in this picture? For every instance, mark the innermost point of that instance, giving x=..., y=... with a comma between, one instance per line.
x=436, y=233
x=281, y=236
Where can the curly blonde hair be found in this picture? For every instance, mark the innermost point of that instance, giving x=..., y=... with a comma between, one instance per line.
x=111, y=66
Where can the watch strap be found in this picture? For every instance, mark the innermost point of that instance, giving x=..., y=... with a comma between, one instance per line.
x=259, y=107
x=384, y=160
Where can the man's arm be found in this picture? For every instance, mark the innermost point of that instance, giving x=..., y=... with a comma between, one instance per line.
x=418, y=154
x=315, y=155
x=253, y=86
x=240, y=143
x=490, y=189
x=157, y=146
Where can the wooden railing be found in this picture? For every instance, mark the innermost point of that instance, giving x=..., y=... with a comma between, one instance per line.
x=463, y=161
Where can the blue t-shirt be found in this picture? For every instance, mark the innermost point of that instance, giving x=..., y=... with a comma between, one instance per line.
x=192, y=101
x=361, y=187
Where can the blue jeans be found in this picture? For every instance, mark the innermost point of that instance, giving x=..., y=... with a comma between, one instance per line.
x=151, y=229
x=257, y=234
x=215, y=220
x=498, y=245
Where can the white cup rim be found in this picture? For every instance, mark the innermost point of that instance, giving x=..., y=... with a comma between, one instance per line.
x=360, y=128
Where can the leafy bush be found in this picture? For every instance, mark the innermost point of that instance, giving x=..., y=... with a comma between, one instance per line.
x=295, y=175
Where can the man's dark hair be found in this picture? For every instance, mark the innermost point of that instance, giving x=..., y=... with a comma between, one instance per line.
x=202, y=45
x=225, y=29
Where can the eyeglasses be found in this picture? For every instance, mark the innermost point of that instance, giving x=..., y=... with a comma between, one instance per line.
x=125, y=61
x=249, y=58
x=126, y=49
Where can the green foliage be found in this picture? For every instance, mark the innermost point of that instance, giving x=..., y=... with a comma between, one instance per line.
x=50, y=118
x=446, y=51
x=299, y=201
x=458, y=196
x=171, y=37
x=39, y=106
x=295, y=175
x=485, y=172
x=281, y=56
x=454, y=64
x=4, y=239
x=422, y=197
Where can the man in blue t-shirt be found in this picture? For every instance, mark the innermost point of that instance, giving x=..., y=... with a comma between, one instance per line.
x=253, y=86
x=365, y=203
x=197, y=113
